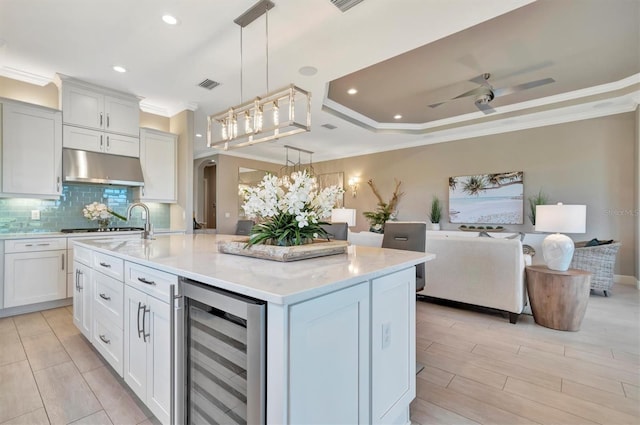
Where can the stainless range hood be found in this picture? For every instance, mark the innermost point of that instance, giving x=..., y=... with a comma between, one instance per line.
x=100, y=168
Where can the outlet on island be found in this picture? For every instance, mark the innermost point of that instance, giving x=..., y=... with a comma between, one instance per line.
x=35, y=214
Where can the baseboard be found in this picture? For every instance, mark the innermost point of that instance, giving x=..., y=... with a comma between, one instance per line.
x=626, y=280
x=31, y=308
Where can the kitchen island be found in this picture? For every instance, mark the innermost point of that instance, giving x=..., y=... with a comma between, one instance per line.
x=340, y=330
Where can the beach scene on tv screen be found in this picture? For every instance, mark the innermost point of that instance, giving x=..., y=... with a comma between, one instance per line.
x=487, y=198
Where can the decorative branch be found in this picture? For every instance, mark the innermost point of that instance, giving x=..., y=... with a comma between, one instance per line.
x=375, y=192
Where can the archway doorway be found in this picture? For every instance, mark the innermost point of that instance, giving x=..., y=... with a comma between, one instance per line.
x=210, y=196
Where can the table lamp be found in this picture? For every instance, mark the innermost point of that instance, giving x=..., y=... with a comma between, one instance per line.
x=557, y=249
x=344, y=215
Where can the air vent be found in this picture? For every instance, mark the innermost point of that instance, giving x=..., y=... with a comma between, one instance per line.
x=208, y=84
x=344, y=5
x=329, y=126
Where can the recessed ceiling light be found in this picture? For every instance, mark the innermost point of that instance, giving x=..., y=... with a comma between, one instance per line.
x=352, y=91
x=119, y=68
x=308, y=70
x=397, y=116
x=170, y=20
x=198, y=135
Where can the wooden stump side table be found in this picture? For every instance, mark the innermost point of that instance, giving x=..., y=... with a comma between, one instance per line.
x=558, y=299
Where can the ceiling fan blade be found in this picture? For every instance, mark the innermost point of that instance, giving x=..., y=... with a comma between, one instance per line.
x=474, y=92
x=524, y=86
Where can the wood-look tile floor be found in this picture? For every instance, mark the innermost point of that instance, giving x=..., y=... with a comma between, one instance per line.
x=50, y=374
x=480, y=369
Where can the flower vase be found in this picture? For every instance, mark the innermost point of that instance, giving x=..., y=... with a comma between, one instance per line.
x=103, y=223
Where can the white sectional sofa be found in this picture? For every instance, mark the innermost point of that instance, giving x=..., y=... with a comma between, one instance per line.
x=487, y=272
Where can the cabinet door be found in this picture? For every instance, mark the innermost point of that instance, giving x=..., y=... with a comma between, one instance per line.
x=159, y=359
x=82, y=298
x=31, y=151
x=393, y=347
x=121, y=115
x=329, y=358
x=158, y=156
x=82, y=107
x=135, y=347
x=34, y=277
x=83, y=139
x=121, y=145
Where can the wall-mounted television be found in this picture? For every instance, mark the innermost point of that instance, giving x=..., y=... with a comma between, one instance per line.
x=487, y=198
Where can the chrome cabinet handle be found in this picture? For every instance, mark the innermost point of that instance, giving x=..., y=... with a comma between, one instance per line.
x=104, y=339
x=105, y=265
x=105, y=297
x=62, y=261
x=140, y=331
x=144, y=326
x=58, y=184
x=100, y=119
x=107, y=121
x=148, y=282
x=108, y=147
x=101, y=141
x=44, y=244
x=77, y=278
x=80, y=274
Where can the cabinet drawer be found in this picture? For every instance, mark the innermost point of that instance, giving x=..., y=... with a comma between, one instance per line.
x=108, y=296
x=109, y=265
x=107, y=338
x=29, y=245
x=150, y=281
x=80, y=254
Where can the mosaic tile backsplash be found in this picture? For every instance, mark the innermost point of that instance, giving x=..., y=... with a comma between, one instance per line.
x=66, y=212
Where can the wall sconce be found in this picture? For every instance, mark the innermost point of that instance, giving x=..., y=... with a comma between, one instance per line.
x=353, y=183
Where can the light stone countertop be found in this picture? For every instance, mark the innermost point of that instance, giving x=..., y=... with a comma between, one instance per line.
x=196, y=257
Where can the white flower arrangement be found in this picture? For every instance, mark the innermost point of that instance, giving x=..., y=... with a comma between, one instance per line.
x=289, y=210
x=96, y=211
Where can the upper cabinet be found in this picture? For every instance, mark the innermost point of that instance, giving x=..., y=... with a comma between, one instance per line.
x=98, y=119
x=98, y=108
x=158, y=157
x=31, y=151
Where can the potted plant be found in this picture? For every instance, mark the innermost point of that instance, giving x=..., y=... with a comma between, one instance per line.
x=385, y=210
x=436, y=213
x=539, y=199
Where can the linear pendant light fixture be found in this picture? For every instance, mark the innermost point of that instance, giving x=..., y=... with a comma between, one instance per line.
x=275, y=115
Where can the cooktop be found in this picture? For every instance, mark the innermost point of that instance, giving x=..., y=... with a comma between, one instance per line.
x=108, y=229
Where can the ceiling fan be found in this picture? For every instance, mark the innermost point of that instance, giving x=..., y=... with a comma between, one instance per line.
x=486, y=93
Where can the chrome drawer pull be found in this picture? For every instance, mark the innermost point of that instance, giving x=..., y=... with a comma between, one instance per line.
x=43, y=244
x=148, y=282
x=105, y=265
x=104, y=297
x=140, y=307
x=105, y=340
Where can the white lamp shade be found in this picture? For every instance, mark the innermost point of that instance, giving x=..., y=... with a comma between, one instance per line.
x=561, y=218
x=344, y=215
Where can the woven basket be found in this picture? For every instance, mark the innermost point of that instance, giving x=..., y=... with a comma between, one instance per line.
x=598, y=260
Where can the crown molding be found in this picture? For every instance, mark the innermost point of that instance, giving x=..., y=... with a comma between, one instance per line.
x=24, y=76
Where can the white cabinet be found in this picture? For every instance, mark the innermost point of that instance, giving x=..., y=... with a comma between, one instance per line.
x=147, y=337
x=86, y=105
x=99, y=141
x=158, y=157
x=107, y=304
x=329, y=358
x=34, y=271
x=31, y=142
x=82, y=298
x=393, y=346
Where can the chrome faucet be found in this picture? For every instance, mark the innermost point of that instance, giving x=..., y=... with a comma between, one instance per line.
x=147, y=234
